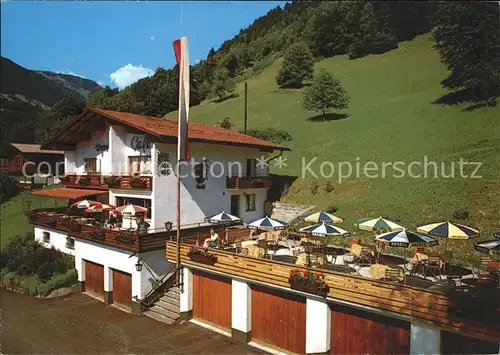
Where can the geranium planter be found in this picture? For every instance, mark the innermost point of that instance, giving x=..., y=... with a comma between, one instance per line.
x=309, y=288
x=203, y=259
x=125, y=239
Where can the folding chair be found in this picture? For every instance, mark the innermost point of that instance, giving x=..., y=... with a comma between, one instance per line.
x=392, y=275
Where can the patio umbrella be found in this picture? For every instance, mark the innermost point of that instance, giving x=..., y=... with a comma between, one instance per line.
x=267, y=223
x=84, y=204
x=370, y=224
x=100, y=207
x=406, y=239
x=130, y=210
x=448, y=230
x=323, y=230
x=222, y=217
x=321, y=216
x=488, y=246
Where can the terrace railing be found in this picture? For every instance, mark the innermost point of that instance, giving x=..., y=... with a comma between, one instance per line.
x=429, y=306
x=257, y=182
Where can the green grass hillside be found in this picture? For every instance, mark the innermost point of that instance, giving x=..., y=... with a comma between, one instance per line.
x=391, y=117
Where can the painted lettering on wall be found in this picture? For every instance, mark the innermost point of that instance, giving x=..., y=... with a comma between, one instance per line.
x=101, y=147
x=139, y=144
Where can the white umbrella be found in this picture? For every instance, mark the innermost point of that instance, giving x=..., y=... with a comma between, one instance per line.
x=370, y=224
x=267, y=223
x=84, y=204
x=222, y=217
x=131, y=210
x=323, y=230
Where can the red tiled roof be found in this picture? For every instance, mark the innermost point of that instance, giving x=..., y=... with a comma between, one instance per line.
x=68, y=193
x=197, y=131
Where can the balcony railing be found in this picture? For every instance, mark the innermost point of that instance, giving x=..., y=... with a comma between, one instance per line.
x=249, y=182
x=104, y=182
x=428, y=306
x=123, y=239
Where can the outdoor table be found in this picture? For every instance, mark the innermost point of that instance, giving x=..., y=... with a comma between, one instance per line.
x=303, y=259
x=246, y=243
x=423, y=257
x=310, y=240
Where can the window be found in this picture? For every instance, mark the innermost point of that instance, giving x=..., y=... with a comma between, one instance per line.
x=91, y=165
x=251, y=167
x=70, y=243
x=46, y=237
x=140, y=164
x=250, y=202
x=143, y=202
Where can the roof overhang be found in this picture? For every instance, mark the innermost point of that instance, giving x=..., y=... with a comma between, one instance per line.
x=68, y=193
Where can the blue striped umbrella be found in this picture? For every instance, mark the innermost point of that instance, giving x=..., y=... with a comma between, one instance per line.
x=222, y=217
x=370, y=224
x=406, y=238
x=448, y=230
x=268, y=223
x=323, y=230
x=318, y=217
x=489, y=245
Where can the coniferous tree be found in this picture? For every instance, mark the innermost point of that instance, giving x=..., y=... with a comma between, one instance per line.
x=467, y=39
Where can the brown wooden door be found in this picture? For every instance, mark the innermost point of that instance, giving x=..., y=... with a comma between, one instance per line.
x=452, y=343
x=212, y=299
x=122, y=288
x=279, y=319
x=359, y=332
x=94, y=278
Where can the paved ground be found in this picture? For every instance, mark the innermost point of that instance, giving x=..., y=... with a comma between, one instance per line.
x=80, y=324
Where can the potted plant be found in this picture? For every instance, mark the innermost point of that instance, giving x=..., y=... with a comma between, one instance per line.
x=202, y=256
x=97, y=234
x=310, y=282
x=126, y=238
x=114, y=182
x=138, y=183
x=84, y=180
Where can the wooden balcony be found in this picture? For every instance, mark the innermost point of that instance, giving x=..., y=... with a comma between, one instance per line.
x=249, y=182
x=123, y=239
x=422, y=305
x=105, y=182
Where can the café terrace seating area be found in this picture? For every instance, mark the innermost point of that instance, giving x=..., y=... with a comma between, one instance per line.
x=425, y=269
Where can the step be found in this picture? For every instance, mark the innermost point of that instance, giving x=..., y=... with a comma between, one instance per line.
x=174, y=290
x=159, y=317
x=170, y=300
x=171, y=307
x=164, y=312
x=172, y=294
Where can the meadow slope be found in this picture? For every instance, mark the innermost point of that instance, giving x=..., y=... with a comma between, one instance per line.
x=391, y=117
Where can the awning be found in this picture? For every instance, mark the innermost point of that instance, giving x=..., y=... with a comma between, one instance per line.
x=68, y=193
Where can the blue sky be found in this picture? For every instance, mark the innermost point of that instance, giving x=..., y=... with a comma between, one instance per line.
x=124, y=40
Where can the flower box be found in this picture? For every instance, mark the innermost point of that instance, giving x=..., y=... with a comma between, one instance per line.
x=84, y=180
x=114, y=182
x=202, y=257
x=75, y=227
x=139, y=183
x=308, y=282
x=97, y=235
x=125, y=239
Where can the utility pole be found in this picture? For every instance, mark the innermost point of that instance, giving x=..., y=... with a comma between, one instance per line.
x=246, y=107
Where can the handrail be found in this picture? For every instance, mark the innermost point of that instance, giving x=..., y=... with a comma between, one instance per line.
x=156, y=292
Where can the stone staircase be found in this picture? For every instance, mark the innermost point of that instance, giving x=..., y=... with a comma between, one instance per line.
x=288, y=212
x=166, y=309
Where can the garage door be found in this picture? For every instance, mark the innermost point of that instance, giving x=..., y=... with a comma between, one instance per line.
x=279, y=319
x=94, y=278
x=359, y=332
x=212, y=299
x=122, y=288
x=458, y=344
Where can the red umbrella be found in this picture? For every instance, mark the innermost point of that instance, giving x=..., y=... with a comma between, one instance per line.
x=84, y=204
x=100, y=207
x=131, y=210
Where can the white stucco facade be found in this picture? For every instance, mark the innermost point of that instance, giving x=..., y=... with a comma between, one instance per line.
x=57, y=239
x=155, y=265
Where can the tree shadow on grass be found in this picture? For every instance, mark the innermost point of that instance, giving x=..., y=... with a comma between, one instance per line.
x=219, y=100
x=468, y=96
x=329, y=117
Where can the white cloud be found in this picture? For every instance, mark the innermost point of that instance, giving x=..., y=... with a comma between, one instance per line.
x=68, y=72
x=101, y=83
x=129, y=74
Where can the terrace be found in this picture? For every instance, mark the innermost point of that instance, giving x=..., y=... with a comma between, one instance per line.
x=458, y=307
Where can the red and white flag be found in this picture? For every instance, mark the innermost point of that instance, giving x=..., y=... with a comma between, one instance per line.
x=182, y=56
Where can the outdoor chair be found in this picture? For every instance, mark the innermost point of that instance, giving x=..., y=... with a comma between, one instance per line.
x=329, y=251
x=482, y=274
x=433, y=265
x=244, y=251
x=366, y=257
